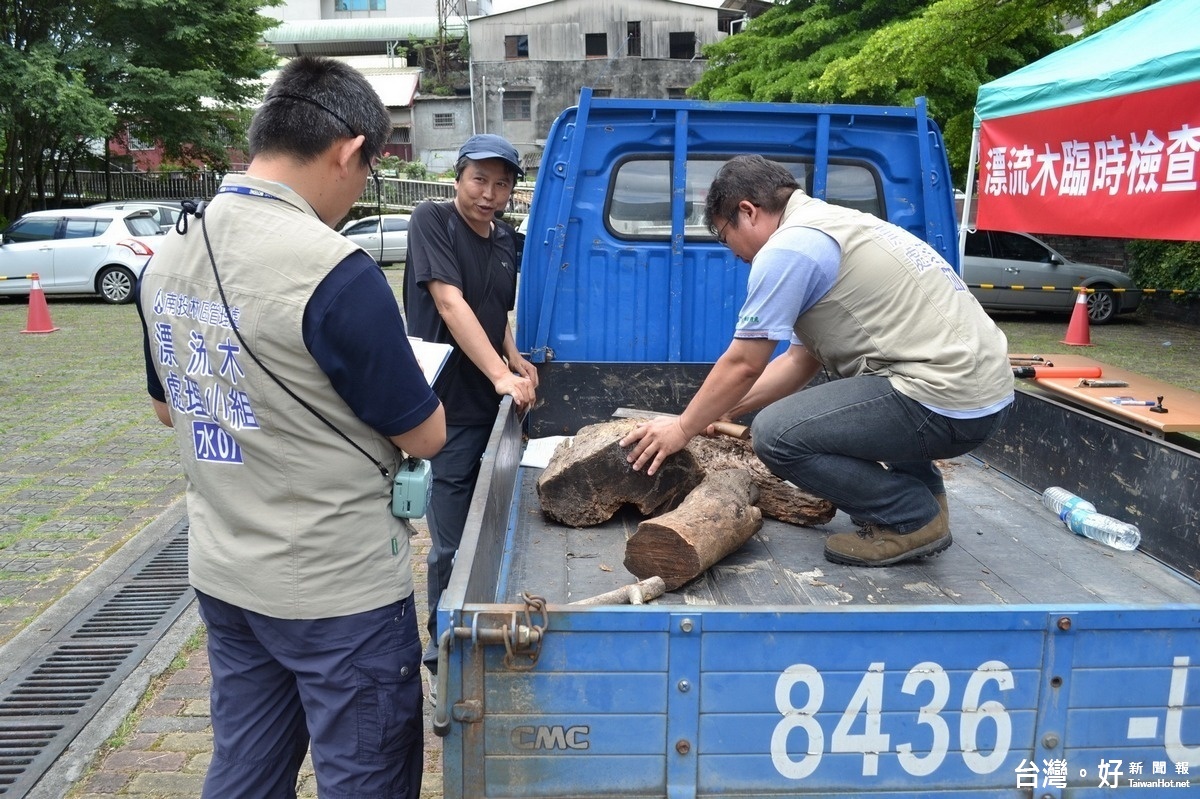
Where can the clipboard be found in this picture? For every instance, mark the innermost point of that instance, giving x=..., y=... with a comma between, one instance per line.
x=431, y=355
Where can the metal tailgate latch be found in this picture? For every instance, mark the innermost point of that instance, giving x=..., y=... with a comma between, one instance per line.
x=523, y=642
x=522, y=647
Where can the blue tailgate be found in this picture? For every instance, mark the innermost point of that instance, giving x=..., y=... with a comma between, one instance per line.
x=642, y=702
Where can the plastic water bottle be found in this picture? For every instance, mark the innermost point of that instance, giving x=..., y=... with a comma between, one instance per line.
x=1061, y=502
x=1105, y=529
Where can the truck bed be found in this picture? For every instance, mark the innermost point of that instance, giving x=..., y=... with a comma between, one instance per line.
x=1007, y=550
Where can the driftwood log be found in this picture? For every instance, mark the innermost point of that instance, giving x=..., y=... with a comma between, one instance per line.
x=637, y=594
x=777, y=499
x=713, y=521
x=588, y=479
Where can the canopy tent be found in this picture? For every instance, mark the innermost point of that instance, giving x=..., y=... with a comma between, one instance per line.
x=1099, y=138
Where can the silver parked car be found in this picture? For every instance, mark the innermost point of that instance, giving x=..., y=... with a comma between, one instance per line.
x=391, y=247
x=1001, y=258
x=101, y=251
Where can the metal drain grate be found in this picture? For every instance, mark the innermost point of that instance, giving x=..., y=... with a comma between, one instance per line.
x=61, y=687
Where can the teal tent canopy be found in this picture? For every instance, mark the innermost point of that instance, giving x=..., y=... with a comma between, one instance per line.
x=1159, y=46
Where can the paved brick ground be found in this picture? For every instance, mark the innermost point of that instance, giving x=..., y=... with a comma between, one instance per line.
x=170, y=743
x=85, y=466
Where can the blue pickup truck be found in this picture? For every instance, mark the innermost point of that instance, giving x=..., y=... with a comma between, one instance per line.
x=1022, y=662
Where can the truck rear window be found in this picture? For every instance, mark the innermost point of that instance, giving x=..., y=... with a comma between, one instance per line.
x=639, y=202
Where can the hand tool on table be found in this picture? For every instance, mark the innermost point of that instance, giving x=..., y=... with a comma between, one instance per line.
x=731, y=429
x=1155, y=405
x=1056, y=371
x=1086, y=383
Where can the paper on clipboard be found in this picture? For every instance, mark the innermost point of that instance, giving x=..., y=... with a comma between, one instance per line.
x=431, y=355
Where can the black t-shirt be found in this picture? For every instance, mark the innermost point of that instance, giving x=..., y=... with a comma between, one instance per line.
x=442, y=246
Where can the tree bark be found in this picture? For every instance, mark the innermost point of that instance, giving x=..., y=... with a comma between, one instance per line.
x=711, y=523
x=777, y=499
x=588, y=479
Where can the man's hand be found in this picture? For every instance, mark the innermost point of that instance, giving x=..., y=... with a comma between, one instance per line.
x=524, y=368
x=655, y=441
x=522, y=389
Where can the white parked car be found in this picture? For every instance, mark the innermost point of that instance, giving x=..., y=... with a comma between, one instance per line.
x=391, y=247
x=86, y=251
x=167, y=212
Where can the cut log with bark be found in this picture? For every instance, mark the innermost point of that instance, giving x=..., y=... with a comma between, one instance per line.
x=711, y=523
x=588, y=479
x=777, y=499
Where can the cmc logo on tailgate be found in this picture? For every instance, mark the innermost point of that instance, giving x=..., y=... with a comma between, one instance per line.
x=557, y=737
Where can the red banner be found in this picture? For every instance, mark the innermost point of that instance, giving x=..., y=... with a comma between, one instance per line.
x=1122, y=167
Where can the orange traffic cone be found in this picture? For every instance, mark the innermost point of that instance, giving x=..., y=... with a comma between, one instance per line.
x=39, y=311
x=1078, y=334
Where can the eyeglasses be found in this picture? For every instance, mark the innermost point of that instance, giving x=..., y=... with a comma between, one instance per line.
x=721, y=232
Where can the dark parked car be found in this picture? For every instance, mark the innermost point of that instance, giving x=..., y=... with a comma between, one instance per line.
x=1002, y=258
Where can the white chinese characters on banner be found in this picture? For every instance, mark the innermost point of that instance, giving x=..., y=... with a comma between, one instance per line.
x=1144, y=164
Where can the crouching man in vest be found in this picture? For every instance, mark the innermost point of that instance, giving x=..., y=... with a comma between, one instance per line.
x=917, y=370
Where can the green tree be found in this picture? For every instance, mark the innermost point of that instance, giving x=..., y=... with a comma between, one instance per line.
x=892, y=51
x=73, y=73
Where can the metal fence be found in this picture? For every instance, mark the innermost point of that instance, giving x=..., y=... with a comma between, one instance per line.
x=398, y=194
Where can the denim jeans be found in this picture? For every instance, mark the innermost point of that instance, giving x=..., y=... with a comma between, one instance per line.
x=866, y=448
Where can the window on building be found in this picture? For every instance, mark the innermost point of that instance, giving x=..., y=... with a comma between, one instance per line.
x=360, y=5
x=516, y=46
x=404, y=135
x=132, y=142
x=683, y=45
x=633, y=39
x=443, y=120
x=595, y=45
x=518, y=106
x=601, y=92
x=639, y=204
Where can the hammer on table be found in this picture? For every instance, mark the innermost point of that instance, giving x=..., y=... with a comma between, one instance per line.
x=1057, y=371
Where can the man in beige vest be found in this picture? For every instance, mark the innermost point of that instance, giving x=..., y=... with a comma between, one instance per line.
x=917, y=370
x=276, y=350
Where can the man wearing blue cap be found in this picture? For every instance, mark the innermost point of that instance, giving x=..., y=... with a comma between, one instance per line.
x=460, y=284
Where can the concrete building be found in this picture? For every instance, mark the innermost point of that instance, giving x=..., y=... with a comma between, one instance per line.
x=525, y=65
x=528, y=64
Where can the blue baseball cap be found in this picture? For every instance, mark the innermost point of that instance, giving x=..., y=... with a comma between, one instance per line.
x=488, y=145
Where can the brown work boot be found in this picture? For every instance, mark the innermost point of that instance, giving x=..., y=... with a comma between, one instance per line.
x=944, y=502
x=875, y=545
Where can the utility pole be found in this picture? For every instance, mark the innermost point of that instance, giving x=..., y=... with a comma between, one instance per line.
x=441, y=60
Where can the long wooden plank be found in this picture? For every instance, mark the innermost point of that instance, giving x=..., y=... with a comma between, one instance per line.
x=1182, y=405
